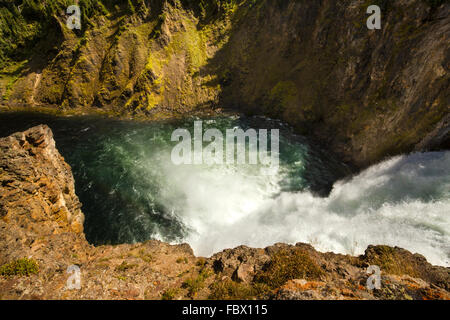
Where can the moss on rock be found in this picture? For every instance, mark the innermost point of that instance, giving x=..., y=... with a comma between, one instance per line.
x=20, y=267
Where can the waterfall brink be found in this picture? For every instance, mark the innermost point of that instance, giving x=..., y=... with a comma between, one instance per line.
x=404, y=201
x=132, y=192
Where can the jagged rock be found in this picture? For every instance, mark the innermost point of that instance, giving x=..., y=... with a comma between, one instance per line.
x=400, y=261
x=37, y=185
x=244, y=273
x=239, y=263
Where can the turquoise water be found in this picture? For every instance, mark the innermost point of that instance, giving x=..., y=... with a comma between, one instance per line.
x=131, y=191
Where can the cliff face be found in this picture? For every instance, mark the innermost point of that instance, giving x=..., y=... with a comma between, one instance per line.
x=37, y=197
x=41, y=235
x=37, y=185
x=366, y=94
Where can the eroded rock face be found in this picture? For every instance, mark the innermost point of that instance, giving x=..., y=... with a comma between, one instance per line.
x=37, y=185
x=39, y=210
x=40, y=218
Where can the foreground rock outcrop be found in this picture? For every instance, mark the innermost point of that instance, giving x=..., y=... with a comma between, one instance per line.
x=366, y=94
x=41, y=220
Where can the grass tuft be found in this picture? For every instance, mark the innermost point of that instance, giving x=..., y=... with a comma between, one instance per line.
x=195, y=284
x=287, y=265
x=231, y=290
x=20, y=267
x=170, y=294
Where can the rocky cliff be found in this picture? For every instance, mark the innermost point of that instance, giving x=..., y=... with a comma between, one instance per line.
x=366, y=94
x=41, y=236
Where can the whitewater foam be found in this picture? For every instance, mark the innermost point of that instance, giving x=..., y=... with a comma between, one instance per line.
x=132, y=192
x=404, y=202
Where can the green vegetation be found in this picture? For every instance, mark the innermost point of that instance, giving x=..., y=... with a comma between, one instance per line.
x=190, y=41
x=288, y=265
x=170, y=294
x=20, y=267
x=131, y=8
x=195, y=284
x=209, y=9
x=285, y=265
x=181, y=274
x=231, y=290
x=24, y=22
x=11, y=74
x=201, y=262
x=182, y=260
x=15, y=32
x=390, y=261
x=125, y=266
x=281, y=95
x=146, y=257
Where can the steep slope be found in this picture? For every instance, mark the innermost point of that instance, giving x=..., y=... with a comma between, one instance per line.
x=366, y=94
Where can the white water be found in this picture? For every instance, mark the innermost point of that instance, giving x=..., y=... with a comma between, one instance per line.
x=126, y=181
x=404, y=202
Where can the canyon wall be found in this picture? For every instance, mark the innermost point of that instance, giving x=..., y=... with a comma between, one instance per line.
x=365, y=94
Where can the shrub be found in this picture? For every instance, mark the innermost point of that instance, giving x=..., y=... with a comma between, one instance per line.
x=193, y=285
x=393, y=262
x=169, y=294
x=287, y=265
x=182, y=260
x=20, y=267
x=231, y=290
x=125, y=266
x=201, y=262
